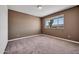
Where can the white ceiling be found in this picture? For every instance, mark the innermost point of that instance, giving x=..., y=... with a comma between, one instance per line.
x=33, y=10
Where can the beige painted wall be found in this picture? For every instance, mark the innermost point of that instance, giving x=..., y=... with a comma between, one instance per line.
x=71, y=24
x=21, y=25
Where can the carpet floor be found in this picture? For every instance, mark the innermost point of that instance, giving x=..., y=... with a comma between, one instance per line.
x=41, y=44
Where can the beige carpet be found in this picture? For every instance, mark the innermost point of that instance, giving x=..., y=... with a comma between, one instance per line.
x=41, y=44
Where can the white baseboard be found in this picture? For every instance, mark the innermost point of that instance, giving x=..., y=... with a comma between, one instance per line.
x=62, y=39
x=45, y=35
x=23, y=37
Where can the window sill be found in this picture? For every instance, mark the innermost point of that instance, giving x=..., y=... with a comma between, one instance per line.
x=56, y=28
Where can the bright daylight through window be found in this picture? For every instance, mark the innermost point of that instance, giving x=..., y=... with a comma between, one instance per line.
x=55, y=22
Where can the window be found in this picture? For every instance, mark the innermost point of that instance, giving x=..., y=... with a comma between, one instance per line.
x=47, y=23
x=58, y=21
x=55, y=22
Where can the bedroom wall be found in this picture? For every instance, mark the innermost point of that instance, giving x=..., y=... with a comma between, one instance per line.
x=71, y=24
x=3, y=28
x=21, y=25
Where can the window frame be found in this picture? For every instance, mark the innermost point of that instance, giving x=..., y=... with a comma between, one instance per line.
x=47, y=19
x=57, y=26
